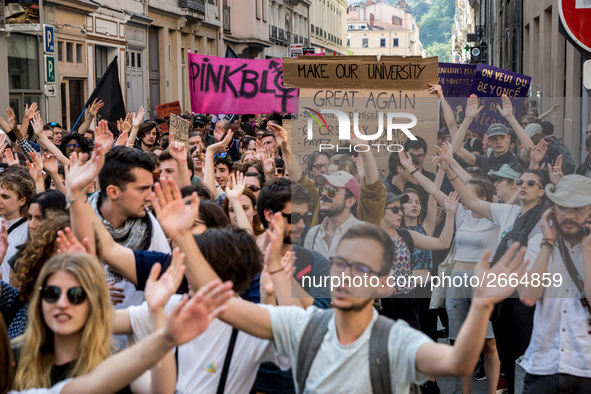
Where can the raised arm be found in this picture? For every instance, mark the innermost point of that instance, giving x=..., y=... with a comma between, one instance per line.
x=178, y=151
x=188, y=319
x=49, y=145
x=92, y=112
x=507, y=112
x=472, y=111
x=425, y=182
x=176, y=220
x=554, y=108
x=448, y=153
x=444, y=241
x=233, y=195
x=430, y=219
x=209, y=167
x=135, y=126
x=297, y=173
x=448, y=113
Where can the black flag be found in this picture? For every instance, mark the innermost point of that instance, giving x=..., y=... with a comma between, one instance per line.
x=109, y=90
x=230, y=54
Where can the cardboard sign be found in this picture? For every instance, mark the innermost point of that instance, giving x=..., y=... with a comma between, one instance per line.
x=164, y=110
x=456, y=82
x=179, y=127
x=367, y=95
x=238, y=86
x=489, y=84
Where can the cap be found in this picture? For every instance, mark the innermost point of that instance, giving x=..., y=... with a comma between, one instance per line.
x=200, y=120
x=341, y=179
x=504, y=172
x=391, y=197
x=497, y=129
x=573, y=191
x=442, y=132
x=533, y=129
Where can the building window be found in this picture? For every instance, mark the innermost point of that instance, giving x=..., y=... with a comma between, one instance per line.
x=23, y=62
x=348, y=42
x=79, y=49
x=60, y=51
x=395, y=43
x=139, y=60
x=101, y=62
x=69, y=52
x=364, y=43
x=382, y=42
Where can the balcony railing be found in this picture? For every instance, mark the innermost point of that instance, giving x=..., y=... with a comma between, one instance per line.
x=288, y=36
x=194, y=5
x=273, y=31
x=281, y=34
x=226, y=19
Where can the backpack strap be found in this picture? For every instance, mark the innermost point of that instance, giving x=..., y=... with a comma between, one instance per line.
x=379, y=359
x=227, y=361
x=407, y=238
x=310, y=344
x=16, y=225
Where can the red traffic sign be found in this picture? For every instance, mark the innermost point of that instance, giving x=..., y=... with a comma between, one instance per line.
x=575, y=16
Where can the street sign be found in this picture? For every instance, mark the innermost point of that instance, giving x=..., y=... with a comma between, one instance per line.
x=48, y=39
x=49, y=69
x=296, y=49
x=587, y=75
x=575, y=16
x=50, y=90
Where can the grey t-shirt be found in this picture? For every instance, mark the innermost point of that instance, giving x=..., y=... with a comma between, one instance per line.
x=345, y=369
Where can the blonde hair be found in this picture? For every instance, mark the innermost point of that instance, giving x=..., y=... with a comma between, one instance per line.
x=36, y=358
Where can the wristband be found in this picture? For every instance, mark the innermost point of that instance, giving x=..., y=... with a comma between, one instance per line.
x=454, y=178
x=549, y=240
x=412, y=173
x=70, y=201
x=549, y=245
x=274, y=272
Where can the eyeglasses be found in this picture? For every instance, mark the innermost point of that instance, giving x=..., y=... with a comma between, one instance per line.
x=72, y=145
x=339, y=264
x=530, y=183
x=220, y=155
x=51, y=294
x=254, y=189
x=330, y=191
x=319, y=166
x=296, y=217
x=395, y=210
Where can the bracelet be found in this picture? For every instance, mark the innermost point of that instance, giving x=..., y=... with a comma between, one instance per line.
x=549, y=245
x=454, y=178
x=549, y=239
x=274, y=272
x=70, y=201
x=412, y=173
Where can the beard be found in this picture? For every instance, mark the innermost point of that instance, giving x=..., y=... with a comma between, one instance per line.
x=334, y=210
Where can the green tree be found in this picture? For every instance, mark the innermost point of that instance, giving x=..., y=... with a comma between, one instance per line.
x=419, y=9
x=442, y=50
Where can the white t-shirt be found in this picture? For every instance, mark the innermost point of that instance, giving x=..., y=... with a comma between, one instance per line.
x=17, y=237
x=56, y=389
x=474, y=236
x=201, y=360
x=505, y=215
x=345, y=369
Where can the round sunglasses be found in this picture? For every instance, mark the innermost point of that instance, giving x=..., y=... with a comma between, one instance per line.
x=530, y=182
x=51, y=294
x=330, y=191
x=395, y=210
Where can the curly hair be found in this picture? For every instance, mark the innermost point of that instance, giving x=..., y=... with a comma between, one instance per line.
x=21, y=185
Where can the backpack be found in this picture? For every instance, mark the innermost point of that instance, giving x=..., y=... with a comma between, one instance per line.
x=568, y=163
x=379, y=359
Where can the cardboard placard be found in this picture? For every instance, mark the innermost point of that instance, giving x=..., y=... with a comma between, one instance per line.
x=179, y=127
x=165, y=110
x=238, y=86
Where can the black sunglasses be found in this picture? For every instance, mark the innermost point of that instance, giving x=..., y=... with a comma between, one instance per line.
x=530, y=183
x=294, y=217
x=339, y=264
x=50, y=294
x=72, y=145
x=395, y=210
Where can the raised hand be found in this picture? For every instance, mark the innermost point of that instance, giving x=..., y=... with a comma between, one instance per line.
x=67, y=243
x=83, y=171
x=539, y=151
x=10, y=158
x=452, y=202
x=37, y=123
x=177, y=150
x=507, y=109
x=238, y=186
x=35, y=166
x=3, y=144
x=123, y=138
x=280, y=134
x=159, y=290
x=446, y=151
x=3, y=240
x=435, y=88
x=189, y=318
x=94, y=107
x=555, y=107
x=30, y=111
x=50, y=163
x=405, y=159
x=103, y=136
x=125, y=125
x=440, y=161
x=11, y=118
x=173, y=215
x=221, y=146
x=549, y=230
x=497, y=284
x=137, y=120
x=555, y=171
x=275, y=235
x=472, y=108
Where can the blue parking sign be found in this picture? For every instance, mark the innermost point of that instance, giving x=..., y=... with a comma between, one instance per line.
x=48, y=39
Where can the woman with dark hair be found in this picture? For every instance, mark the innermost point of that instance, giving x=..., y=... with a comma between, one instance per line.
x=248, y=129
x=51, y=202
x=74, y=142
x=240, y=206
x=147, y=136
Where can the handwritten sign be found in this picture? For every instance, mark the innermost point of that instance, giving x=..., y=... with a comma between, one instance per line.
x=489, y=84
x=366, y=92
x=238, y=86
x=164, y=110
x=456, y=82
x=179, y=127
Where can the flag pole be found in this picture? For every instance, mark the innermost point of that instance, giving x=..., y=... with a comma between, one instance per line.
x=78, y=120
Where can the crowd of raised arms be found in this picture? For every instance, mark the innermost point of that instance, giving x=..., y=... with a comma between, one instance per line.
x=132, y=262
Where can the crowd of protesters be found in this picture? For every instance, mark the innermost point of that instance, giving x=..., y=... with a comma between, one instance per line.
x=132, y=262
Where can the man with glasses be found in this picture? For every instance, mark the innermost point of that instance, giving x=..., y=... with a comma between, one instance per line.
x=339, y=194
x=585, y=168
x=558, y=359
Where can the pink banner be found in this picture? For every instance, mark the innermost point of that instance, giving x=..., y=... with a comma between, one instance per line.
x=238, y=86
